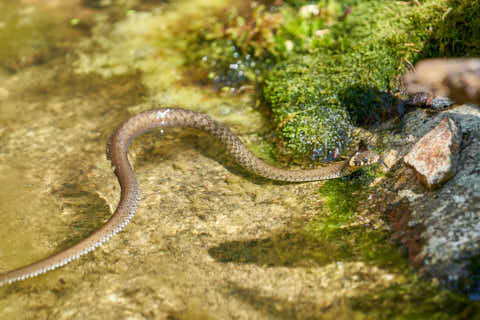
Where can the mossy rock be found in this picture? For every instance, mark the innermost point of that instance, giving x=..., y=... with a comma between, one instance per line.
x=307, y=121
x=342, y=65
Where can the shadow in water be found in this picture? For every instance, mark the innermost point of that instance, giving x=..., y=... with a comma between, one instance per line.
x=300, y=249
x=287, y=249
x=89, y=213
x=406, y=301
x=277, y=308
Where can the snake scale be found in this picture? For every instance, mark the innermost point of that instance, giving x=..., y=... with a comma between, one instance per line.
x=117, y=149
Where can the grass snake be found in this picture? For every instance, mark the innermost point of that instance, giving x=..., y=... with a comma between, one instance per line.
x=117, y=150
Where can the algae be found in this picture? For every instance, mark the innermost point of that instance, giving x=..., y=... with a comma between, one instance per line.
x=336, y=223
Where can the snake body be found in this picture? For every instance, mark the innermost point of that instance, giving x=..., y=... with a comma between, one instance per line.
x=117, y=149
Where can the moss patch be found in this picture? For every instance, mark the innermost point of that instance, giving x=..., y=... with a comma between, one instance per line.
x=355, y=242
x=455, y=32
x=331, y=64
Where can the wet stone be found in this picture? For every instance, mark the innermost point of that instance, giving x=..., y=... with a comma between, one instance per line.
x=434, y=157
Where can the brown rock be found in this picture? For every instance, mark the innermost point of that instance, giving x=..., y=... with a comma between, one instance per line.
x=434, y=156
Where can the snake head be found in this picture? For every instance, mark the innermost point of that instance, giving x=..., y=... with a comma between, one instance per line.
x=363, y=158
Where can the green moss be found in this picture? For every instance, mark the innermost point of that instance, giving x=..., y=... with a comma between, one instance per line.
x=455, y=32
x=357, y=69
x=352, y=242
x=341, y=199
x=333, y=69
x=350, y=77
x=307, y=121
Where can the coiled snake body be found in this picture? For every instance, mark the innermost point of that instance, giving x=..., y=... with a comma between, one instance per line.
x=130, y=191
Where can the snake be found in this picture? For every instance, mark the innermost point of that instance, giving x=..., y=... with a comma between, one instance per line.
x=117, y=153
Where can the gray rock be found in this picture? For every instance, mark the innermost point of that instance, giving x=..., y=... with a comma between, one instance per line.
x=450, y=215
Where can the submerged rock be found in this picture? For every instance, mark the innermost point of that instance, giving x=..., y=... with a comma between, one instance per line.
x=434, y=157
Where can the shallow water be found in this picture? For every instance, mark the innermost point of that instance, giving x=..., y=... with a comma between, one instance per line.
x=205, y=241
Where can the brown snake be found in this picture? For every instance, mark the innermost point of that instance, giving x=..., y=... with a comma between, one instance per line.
x=130, y=191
